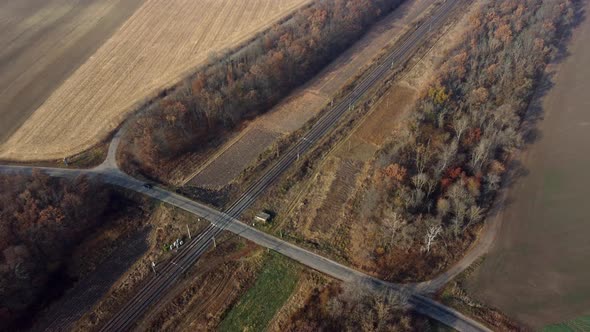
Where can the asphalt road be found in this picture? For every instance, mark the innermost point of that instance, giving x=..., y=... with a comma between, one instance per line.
x=169, y=273
x=154, y=289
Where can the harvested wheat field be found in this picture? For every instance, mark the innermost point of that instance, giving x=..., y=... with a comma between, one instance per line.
x=157, y=45
x=43, y=43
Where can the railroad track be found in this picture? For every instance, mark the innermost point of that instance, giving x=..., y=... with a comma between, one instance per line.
x=167, y=276
x=156, y=287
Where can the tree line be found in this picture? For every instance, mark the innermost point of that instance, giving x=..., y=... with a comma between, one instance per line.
x=247, y=82
x=355, y=307
x=41, y=219
x=440, y=178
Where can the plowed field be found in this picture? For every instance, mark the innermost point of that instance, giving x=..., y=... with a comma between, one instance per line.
x=538, y=271
x=157, y=45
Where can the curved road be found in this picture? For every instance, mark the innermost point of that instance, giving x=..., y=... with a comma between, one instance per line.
x=168, y=274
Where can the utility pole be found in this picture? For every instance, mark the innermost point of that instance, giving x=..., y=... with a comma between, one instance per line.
x=214, y=243
x=189, y=232
x=154, y=267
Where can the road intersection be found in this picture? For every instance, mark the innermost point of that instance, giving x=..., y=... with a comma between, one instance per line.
x=151, y=292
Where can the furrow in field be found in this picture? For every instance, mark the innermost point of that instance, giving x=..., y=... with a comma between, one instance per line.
x=159, y=43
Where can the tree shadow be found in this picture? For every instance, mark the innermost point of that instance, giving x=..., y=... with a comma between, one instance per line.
x=87, y=292
x=535, y=112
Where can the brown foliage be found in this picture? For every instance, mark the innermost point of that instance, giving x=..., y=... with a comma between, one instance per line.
x=247, y=83
x=395, y=172
x=41, y=218
x=467, y=121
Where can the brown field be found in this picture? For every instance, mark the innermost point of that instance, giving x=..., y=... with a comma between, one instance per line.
x=306, y=102
x=538, y=270
x=43, y=42
x=161, y=42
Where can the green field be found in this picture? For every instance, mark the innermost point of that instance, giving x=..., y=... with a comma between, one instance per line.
x=581, y=324
x=258, y=305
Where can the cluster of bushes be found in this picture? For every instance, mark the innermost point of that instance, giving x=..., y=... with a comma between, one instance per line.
x=353, y=307
x=247, y=82
x=440, y=178
x=41, y=219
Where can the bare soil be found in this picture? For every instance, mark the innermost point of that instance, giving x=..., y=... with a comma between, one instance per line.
x=44, y=42
x=158, y=45
x=455, y=295
x=378, y=128
x=538, y=270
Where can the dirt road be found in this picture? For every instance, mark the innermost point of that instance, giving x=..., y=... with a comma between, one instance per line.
x=227, y=221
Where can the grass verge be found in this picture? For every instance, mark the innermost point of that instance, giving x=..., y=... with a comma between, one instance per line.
x=258, y=305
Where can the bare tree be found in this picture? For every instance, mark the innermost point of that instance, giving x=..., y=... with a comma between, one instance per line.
x=505, y=116
x=383, y=313
x=430, y=186
x=443, y=207
x=460, y=124
x=447, y=156
x=420, y=180
x=406, y=197
x=392, y=224
x=417, y=197
x=480, y=154
x=474, y=214
x=441, y=118
x=492, y=182
x=432, y=232
x=423, y=155
x=460, y=199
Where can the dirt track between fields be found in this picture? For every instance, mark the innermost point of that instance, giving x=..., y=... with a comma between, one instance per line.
x=538, y=269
